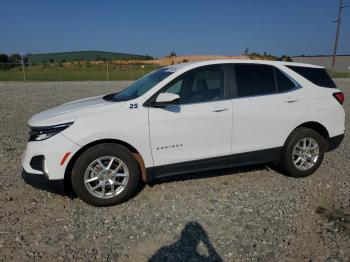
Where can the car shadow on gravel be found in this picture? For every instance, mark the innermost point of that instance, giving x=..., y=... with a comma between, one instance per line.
x=59, y=187
x=193, y=245
x=42, y=183
x=216, y=173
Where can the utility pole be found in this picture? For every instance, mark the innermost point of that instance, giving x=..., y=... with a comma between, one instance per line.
x=341, y=7
x=107, y=70
x=55, y=66
x=24, y=72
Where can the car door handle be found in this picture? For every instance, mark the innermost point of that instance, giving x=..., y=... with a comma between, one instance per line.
x=291, y=100
x=220, y=109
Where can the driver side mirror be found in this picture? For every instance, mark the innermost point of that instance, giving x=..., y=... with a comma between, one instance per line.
x=166, y=99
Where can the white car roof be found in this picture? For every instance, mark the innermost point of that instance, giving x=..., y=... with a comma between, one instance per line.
x=177, y=67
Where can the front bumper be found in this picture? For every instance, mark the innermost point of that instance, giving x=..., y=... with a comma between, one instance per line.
x=45, y=157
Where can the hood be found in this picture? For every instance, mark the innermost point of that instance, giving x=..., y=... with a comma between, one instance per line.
x=68, y=112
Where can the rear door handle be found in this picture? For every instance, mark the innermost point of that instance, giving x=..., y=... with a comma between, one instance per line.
x=220, y=109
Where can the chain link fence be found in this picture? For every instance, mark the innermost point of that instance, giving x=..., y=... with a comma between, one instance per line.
x=78, y=71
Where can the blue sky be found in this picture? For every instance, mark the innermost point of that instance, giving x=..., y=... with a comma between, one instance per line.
x=156, y=28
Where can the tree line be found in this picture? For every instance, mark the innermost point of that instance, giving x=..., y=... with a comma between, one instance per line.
x=13, y=60
x=265, y=55
x=9, y=61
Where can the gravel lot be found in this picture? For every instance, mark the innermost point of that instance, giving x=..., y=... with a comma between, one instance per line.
x=249, y=214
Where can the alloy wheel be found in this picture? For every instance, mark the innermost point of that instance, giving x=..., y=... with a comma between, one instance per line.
x=106, y=177
x=305, y=154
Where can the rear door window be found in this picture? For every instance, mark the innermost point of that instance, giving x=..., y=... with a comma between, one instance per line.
x=317, y=76
x=254, y=80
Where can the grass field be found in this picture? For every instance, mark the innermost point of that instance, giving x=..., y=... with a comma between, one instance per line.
x=340, y=75
x=76, y=72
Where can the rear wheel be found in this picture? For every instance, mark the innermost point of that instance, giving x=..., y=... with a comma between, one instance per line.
x=106, y=174
x=303, y=152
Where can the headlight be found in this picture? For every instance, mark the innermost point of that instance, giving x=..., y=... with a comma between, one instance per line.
x=44, y=132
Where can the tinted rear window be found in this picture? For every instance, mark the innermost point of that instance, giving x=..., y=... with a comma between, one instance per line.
x=253, y=80
x=284, y=84
x=318, y=76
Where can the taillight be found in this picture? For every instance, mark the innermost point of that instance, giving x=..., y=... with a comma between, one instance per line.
x=339, y=96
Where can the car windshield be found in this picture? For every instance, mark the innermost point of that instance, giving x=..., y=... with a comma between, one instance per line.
x=141, y=86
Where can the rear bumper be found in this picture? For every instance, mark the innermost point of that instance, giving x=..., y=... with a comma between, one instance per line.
x=45, y=157
x=334, y=142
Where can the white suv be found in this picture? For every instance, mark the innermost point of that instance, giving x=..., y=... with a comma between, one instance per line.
x=186, y=118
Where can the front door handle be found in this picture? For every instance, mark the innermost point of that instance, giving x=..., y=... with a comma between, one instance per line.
x=291, y=100
x=220, y=109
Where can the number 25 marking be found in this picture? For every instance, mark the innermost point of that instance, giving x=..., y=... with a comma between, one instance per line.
x=133, y=106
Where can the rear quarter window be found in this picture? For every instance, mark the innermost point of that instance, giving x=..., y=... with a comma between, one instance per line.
x=284, y=84
x=317, y=76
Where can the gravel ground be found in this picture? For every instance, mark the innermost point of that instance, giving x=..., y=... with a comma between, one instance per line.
x=246, y=214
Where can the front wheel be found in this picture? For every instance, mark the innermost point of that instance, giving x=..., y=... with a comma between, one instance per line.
x=105, y=175
x=303, y=152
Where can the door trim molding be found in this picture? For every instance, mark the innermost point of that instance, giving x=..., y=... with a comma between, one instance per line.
x=240, y=159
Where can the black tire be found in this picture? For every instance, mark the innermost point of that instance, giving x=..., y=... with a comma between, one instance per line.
x=93, y=153
x=287, y=164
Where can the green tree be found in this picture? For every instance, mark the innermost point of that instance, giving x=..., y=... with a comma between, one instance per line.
x=146, y=57
x=285, y=58
x=15, y=58
x=4, y=59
